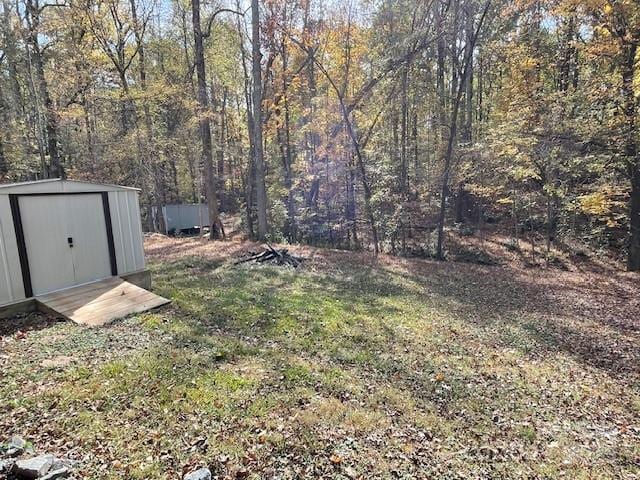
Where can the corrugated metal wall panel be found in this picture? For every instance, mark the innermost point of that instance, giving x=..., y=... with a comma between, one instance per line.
x=186, y=216
x=11, y=287
x=136, y=230
x=65, y=239
x=127, y=231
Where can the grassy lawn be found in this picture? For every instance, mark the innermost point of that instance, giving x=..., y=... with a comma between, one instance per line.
x=346, y=368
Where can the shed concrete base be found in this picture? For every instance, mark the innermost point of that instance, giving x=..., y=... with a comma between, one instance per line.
x=141, y=278
x=22, y=306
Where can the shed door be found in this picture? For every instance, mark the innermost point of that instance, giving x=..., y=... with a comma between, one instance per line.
x=66, y=240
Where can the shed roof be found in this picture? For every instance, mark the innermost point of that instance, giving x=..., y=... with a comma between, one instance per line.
x=55, y=185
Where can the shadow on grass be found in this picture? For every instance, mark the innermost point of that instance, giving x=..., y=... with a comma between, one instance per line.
x=27, y=322
x=353, y=318
x=192, y=246
x=303, y=312
x=516, y=311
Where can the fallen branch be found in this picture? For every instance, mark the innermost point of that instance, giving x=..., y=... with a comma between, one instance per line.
x=272, y=255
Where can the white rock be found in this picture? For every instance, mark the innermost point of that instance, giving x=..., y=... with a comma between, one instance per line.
x=350, y=472
x=17, y=442
x=200, y=474
x=15, y=446
x=33, y=467
x=59, y=463
x=6, y=465
x=55, y=473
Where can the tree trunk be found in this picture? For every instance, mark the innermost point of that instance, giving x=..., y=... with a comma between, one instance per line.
x=366, y=187
x=38, y=132
x=452, y=135
x=32, y=14
x=89, y=134
x=221, y=152
x=249, y=177
x=468, y=125
x=4, y=117
x=11, y=56
x=150, y=154
x=414, y=144
x=404, y=178
x=404, y=174
x=631, y=154
x=633, y=261
x=216, y=230
x=191, y=167
x=258, y=147
x=351, y=201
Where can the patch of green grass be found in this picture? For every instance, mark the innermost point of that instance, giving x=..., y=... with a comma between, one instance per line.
x=151, y=321
x=527, y=433
x=394, y=372
x=297, y=374
x=216, y=392
x=114, y=369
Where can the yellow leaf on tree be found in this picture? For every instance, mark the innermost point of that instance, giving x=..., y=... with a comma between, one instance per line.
x=595, y=204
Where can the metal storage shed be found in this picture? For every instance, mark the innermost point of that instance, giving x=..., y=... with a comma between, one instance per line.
x=56, y=234
x=184, y=217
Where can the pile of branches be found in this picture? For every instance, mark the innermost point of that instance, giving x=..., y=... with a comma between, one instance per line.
x=273, y=256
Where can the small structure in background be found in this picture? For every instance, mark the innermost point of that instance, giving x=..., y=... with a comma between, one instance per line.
x=183, y=218
x=70, y=240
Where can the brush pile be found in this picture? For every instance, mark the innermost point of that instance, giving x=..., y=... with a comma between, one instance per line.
x=273, y=256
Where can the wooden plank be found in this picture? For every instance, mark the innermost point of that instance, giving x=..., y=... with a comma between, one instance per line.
x=75, y=291
x=89, y=318
x=115, y=295
x=108, y=303
x=101, y=302
x=93, y=295
x=110, y=315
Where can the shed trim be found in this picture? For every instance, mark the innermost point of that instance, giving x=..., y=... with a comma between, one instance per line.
x=22, y=246
x=31, y=182
x=107, y=221
x=53, y=180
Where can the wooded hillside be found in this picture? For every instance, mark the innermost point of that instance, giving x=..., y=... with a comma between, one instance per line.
x=379, y=125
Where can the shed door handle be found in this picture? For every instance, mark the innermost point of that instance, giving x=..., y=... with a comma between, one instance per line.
x=70, y=241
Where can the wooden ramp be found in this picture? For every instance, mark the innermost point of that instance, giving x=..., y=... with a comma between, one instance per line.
x=101, y=302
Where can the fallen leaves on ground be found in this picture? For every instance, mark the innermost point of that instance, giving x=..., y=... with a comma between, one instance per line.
x=349, y=367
